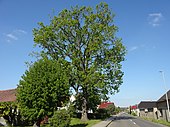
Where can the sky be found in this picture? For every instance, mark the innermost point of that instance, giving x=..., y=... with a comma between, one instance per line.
x=144, y=26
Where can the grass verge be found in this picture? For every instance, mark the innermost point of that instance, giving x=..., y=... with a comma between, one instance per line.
x=157, y=121
x=75, y=122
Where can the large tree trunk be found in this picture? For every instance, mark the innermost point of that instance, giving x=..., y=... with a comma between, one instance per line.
x=84, y=116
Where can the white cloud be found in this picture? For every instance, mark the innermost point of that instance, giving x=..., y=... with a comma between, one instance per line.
x=11, y=36
x=19, y=31
x=145, y=47
x=133, y=48
x=14, y=35
x=155, y=19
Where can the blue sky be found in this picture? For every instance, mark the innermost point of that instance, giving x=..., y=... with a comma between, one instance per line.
x=144, y=26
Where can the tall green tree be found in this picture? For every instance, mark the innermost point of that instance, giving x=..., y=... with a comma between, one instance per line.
x=85, y=37
x=43, y=88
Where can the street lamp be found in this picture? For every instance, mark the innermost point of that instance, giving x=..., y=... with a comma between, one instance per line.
x=166, y=95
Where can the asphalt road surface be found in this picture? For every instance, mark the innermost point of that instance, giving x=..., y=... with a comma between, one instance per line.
x=125, y=120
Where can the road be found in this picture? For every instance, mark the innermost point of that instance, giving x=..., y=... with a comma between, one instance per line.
x=125, y=120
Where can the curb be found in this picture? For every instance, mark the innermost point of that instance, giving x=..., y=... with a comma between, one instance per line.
x=111, y=121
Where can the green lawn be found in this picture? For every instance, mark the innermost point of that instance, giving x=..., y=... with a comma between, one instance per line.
x=75, y=122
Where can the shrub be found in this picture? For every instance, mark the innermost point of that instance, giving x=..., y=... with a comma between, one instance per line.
x=61, y=118
x=110, y=109
x=103, y=113
x=133, y=113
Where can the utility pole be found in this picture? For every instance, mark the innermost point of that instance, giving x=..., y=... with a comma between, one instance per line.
x=166, y=95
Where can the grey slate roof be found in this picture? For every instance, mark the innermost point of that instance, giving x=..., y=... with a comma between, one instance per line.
x=163, y=98
x=147, y=104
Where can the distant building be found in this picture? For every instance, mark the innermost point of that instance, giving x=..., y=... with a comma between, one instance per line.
x=148, y=109
x=134, y=109
x=8, y=95
x=105, y=104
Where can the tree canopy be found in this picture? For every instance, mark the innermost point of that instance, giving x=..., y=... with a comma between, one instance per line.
x=85, y=37
x=43, y=88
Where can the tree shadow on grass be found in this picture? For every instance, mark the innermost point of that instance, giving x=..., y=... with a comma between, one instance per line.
x=80, y=125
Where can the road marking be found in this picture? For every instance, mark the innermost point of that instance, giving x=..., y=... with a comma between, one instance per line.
x=134, y=123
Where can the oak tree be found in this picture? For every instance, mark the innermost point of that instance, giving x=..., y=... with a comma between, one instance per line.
x=86, y=38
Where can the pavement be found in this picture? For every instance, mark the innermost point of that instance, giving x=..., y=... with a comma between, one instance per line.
x=105, y=123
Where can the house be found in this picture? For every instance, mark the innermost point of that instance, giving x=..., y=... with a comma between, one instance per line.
x=8, y=95
x=162, y=107
x=105, y=105
x=134, y=109
x=147, y=109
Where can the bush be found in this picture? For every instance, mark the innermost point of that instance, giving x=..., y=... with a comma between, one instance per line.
x=111, y=109
x=133, y=113
x=61, y=118
x=102, y=113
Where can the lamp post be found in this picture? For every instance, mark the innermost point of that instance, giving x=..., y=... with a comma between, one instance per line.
x=166, y=95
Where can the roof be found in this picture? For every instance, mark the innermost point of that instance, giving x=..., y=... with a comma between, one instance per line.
x=8, y=95
x=105, y=104
x=163, y=98
x=147, y=104
x=134, y=107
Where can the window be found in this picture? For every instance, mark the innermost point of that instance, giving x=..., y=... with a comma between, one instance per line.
x=142, y=109
x=150, y=109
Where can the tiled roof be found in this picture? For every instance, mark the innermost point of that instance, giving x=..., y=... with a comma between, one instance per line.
x=8, y=95
x=134, y=107
x=105, y=104
x=147, y=104
x=163, y=98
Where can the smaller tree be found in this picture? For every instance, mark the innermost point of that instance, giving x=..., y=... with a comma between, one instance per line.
x=111, y=109
x=43, y=88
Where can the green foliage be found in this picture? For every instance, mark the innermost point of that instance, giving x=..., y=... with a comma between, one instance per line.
x=42, y=88
x=61, y=118
x=93, y=101
x=106, y=112
x=134, y=114
x=163, y=122
x=6, y=108
x=111, y=109
x=103, y=113
x=117, y=110
x=85, y=37
x=75, y=122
